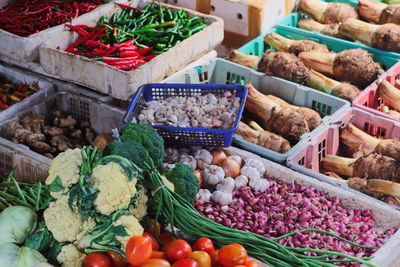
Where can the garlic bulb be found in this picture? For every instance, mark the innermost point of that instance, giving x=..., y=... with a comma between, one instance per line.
x=188, y=160
x=171, y=155
x=222, y=198
x=256, y=163
x=259, y=185
x=203, y=195
x=227, y=185
x=237, y=158
x=213, y=175
x=204, y=158
x=240, y=181
x=250, y=172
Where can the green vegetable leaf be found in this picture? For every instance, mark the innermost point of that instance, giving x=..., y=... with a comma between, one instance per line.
x=56, y=185
x=40, y=239
x=119, y=230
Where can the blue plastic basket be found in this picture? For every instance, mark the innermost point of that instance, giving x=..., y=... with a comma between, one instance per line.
x=187, y=136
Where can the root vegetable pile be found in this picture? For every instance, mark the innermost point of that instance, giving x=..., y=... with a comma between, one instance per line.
x=312, y=25
x=11, y=94
x=59, y=133
x=379, y=13
x=207, y=111
x=24, y=17
x=327, y=13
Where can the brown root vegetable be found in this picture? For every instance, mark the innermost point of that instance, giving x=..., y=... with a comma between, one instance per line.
x=50, y=130
x=40, y=147
x=283, y=44
x=283, y=65
x=48, y=155
x=245, y=60
x=102, y=140
x=89, y=135
x=284, y=121
x=385, y=37
x=327, y=13
x=22, y=135
x=389, y=94
x=61, y=142
x=322, y=83
x=377, y=12
x=84, y=124
x=372, y=166
x=363, y=144
x=77, y=133
x=69, y=121
x=263, y=138
x=312, y=117
x=312, y=25
x=355, y=66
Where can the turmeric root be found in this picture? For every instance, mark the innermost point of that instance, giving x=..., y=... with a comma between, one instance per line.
x=263, y=138
x=327, y=13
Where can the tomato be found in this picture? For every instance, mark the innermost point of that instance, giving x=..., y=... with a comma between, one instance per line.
x=239, y=266
x=251, y=263
x=214, y=258
x=186, y=263
x=232, y=255
x=153, y=241
x=153, y=224
x=199, y=176
x=203, y=244
x=177, y=250
x=156, y=263
x=116, y=259
x=202, y=258
x=97, y=259
x=158, y=255
x=138, y=250
x=166, y=238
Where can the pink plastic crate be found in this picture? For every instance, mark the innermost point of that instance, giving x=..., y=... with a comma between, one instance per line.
x=308, y=159
x=369, y=100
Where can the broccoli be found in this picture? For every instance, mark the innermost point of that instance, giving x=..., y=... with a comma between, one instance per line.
x=130, y=150
x=148, y=137
x=185, y=181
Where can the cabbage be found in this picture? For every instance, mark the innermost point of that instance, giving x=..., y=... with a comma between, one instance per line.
x=16, y=224
x=13, y=256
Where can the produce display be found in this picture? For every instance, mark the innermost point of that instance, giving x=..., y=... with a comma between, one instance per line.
x=24, y=17
x=49, y=137
x=13, y=93
x=128, y=39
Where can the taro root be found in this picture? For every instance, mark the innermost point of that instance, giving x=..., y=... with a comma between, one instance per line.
x=355, y=66
x=312, y=117
x=263, y=138
x=322, y=83
x=363, y=144
x=312, y=25
x=385, y=37
x=283, y=44
x=389, y=94
x=245, y=60
x=281, y=120
x=377, y=12
x=372, y=166
x=327, y=13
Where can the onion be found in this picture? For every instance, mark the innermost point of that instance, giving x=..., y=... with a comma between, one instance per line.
x=218, y=156
x=231, y=167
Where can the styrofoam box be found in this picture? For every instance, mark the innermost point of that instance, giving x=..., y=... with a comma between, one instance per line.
x=77, y=101
x=220, y=71
x=16, y=49
x=385, y=217
x=307, y=160
x=122, y=84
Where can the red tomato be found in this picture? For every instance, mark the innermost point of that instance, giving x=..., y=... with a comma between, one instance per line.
x=153, y=224
x=138, y=250
x=117, y=260
x=156, y=263
x=186, y=263
x=251, y=263
x=97, y=259
x=158, y=255
x=232, y=255
x=214, y=258
x=204, y=244
x=153, y=241
x=166, y=238
x=177, y=250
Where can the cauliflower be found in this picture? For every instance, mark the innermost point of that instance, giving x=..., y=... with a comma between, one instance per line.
x=132, y=227
x=64, y=224
x=141, y=205
x=70, y=256
x=167, y=183
x=115, y=189
x=67, y=166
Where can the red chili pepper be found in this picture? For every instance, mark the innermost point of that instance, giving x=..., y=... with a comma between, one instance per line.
x=129, y=54
x=148, y=58
x=130, y=66
x=94, y=44
x=84, y=39
x=119, y=59
x=144, y=51
x=77, y=29
x=128, y=48
x=128, y=6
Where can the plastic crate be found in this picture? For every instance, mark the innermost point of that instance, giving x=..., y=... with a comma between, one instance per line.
x=307, y=160
x=221, y=71
x=289, y=23
x=258, y=46
x=82, y=104
x=188, y=136
x=369, y=99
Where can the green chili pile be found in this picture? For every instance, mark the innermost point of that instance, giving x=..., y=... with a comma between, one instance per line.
x=134, y=36
x=11, y=94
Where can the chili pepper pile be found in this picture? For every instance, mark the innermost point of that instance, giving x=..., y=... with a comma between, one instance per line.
x=11, y=94
x=133, y=36
x=26, y=17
